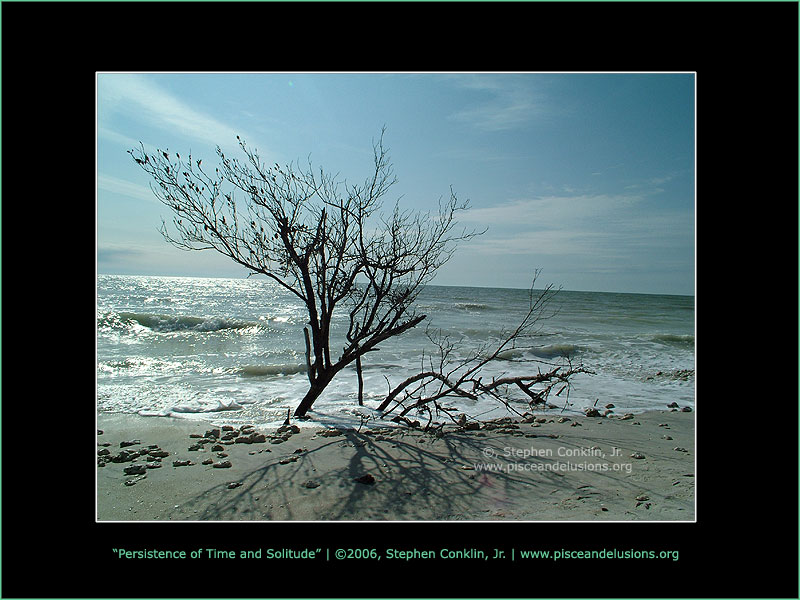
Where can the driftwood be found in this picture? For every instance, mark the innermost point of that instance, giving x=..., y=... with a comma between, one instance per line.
x=448, y=378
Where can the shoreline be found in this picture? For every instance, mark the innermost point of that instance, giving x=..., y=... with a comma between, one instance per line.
x=558, y=469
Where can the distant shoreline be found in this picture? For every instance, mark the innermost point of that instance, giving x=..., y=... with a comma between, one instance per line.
x=578, y=469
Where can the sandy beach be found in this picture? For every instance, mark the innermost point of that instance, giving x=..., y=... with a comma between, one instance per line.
x=581, y=468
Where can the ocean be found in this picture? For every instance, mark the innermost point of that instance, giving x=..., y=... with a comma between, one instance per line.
x=231, y=351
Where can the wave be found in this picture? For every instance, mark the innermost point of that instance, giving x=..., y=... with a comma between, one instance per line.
x=270, y=370
x=471, y=306
x=171, y=323
x=553, y=350
x=138, y=364
x=550, y=351
x=511, y=354
x=673, y=338
x=380, y=366
x=190, y=409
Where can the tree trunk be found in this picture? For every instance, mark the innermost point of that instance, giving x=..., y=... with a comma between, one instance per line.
x=360, y=382
x=309, y=366
x=320, y=382
x=308, y=400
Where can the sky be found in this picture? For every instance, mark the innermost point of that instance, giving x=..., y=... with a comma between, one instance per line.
x=589, y=177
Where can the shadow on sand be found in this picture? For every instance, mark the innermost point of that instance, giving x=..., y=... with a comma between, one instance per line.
x=417, y=478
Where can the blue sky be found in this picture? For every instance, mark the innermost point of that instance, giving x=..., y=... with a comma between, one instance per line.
x=587, y=176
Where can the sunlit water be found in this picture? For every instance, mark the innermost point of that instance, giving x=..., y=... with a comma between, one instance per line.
x=231, y=350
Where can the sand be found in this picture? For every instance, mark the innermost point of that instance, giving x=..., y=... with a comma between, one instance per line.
x=604, y=469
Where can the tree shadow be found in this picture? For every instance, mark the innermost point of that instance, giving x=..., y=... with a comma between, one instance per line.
x=417, y=477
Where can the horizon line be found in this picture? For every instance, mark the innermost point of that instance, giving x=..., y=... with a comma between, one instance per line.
x=491, y=287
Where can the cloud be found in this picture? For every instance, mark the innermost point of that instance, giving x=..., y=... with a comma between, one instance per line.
x=125, y=188
x=139, y=97
x=553, y=209
x=117, y=138
x=510, y=105
x=116, y=254
x=590, y=227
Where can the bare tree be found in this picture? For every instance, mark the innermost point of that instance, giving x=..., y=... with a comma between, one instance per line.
x=447, y=376
x=321, y=239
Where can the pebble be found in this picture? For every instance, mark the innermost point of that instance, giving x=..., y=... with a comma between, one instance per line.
x=290, y=459
x=686, y=409
x=225, y=464
x=135, y=470
x=208, y=461
x=124, y=456
x=666, y=437
x=564, y=419
x=234, y=484
x=311, y=484
x=129, y=443
x=153, y=465
x=330, y=433
x=291, y=429
x=251, y=438
x=643, y=498
x=592, y=412
x=626, y=417
x=637, y=455
x=679, y=449
x=182, y=463
x=365, y=479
